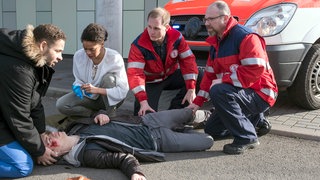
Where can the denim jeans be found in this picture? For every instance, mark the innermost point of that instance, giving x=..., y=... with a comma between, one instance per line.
x=15, y=161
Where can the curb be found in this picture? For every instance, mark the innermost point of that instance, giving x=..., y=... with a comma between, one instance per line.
x=294, y=132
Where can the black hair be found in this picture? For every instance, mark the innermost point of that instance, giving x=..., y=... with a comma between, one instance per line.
x=94, y=32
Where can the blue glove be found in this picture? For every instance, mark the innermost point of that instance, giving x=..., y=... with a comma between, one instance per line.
x=88, y=94
x=77, y=90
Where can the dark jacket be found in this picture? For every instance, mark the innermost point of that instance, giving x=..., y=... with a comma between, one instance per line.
x=24, y=78
x=101, y=151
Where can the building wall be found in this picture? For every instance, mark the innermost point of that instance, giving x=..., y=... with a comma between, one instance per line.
x=109, y=14
x=123, y=19
x=133, y=22
x=134, y=19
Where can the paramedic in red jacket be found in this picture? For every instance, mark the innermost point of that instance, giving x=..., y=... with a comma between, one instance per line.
x=160, y=59
x=238, y=79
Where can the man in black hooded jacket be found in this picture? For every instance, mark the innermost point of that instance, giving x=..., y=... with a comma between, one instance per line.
x=27, y=57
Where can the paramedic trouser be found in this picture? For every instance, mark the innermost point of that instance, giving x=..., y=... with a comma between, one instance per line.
x=237, y=110
x=173, y=82
x=167, y=140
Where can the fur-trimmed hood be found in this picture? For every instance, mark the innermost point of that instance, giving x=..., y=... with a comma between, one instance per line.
x=21, y=44
x=31, y=49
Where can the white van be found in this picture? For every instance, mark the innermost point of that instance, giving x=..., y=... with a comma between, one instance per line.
x=291, y=30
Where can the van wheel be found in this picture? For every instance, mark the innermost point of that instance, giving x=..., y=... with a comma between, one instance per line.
x=305, y=90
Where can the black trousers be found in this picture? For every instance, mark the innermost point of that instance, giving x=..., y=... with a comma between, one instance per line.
x=173, y=82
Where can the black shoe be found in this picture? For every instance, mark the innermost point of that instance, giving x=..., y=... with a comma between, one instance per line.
x=239, y=149
x=264, y=128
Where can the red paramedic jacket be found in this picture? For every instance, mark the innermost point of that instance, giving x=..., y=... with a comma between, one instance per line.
x=145, y=65
x=240, y=59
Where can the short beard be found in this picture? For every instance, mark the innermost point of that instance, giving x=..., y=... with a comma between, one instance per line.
x=212, y=33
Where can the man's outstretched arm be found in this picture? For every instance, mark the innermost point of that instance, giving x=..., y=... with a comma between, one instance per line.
x=127, y=163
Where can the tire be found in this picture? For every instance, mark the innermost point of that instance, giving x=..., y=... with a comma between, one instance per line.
x=305, y=91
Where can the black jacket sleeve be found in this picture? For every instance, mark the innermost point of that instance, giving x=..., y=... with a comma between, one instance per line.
x=127, y=163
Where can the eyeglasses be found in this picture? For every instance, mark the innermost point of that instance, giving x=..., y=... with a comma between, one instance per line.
x=211, y=18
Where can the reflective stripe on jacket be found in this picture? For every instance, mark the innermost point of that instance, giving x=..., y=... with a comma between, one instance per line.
x=145, y=65
x=240, y=59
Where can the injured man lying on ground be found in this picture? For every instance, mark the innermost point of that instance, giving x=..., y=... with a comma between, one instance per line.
x=122, y=141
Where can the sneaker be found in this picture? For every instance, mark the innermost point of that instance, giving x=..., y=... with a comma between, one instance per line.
x=200, y=118
x=239, y=149
x=264, y=128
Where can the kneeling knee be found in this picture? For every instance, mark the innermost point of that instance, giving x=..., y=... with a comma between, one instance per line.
x=26, y=172
x=23, y=170
x=108, y=80
x=218, y=90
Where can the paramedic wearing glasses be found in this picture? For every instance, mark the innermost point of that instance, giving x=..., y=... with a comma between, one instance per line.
x=238, y=79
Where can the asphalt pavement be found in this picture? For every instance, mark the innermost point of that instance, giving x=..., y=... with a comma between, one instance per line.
x=289, y=151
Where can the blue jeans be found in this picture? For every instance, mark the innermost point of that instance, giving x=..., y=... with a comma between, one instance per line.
x=237, y=111
x=15, y=161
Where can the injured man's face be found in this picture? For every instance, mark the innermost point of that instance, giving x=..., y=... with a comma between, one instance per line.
x=58, y=142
